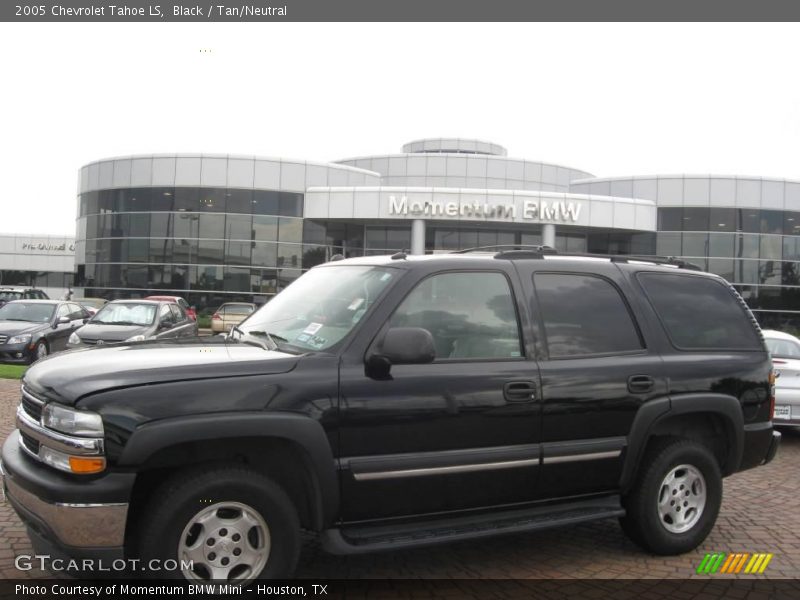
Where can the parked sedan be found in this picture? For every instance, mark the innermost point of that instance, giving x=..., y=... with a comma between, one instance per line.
x=32, y=329
x=178, y=300
x=230, y=314
x=785, y=351
x=134, y=321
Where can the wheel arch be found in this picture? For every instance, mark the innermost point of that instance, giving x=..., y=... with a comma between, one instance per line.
x=282, y=446
x=690, y=416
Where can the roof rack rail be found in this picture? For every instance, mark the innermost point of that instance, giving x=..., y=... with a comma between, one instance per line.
x=512, y=250
x=658, y=260
x=639, y=258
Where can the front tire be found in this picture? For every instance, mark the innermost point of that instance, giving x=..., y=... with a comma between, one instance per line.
x=233, y=524
x=675, y=501
x=40, y=351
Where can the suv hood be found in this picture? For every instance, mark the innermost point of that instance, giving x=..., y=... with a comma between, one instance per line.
x=69, y=376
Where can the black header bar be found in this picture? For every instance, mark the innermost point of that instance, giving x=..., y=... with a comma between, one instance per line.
x=131, y=11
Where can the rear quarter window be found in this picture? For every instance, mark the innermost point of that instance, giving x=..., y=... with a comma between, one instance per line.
x=700, y=313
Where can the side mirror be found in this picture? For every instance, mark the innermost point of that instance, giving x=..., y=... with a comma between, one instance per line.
x=61, y=321
x=401, y=346
x=165, y=325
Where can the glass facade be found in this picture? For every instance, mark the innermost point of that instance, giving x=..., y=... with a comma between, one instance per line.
x=216, y=228
x=210, y=245
x=757, y=250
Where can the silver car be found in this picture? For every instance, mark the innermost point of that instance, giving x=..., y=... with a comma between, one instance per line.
x=785, y=351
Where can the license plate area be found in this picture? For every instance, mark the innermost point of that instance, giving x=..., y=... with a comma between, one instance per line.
x=783, y=411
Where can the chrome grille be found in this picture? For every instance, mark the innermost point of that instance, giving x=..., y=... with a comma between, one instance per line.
x=30, y=443
x=32, y=405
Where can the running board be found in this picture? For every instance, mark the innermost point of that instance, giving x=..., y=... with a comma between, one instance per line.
x=358, y=539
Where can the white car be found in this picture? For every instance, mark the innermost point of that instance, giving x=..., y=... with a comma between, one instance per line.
x=785, y=351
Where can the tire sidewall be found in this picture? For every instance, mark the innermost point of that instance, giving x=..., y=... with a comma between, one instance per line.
x=40, y=344
x=658, y=538
x=163, y=532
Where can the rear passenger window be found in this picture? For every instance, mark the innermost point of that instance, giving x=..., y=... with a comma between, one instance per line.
x=469, y=315
x=584, y=315
x=700, y=312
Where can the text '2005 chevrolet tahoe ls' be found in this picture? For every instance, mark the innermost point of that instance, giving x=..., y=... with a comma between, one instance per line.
x=390, y=402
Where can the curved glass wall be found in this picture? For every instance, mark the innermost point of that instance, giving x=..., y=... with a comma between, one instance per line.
x=209, y=244
x=757, y=250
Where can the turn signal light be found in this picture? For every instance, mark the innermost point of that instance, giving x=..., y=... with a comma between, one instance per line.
x=86, y=465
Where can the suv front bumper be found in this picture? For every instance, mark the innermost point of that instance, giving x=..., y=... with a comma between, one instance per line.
x=66, y=517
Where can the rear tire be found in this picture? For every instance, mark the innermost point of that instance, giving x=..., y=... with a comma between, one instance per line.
x=233, y=523
x=676, y=498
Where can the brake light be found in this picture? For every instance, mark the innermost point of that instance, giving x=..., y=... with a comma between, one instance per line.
x=772, y=378
x=215, y=317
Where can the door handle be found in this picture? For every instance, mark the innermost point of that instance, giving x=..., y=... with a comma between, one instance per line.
x=519, y=391
x=639, y=384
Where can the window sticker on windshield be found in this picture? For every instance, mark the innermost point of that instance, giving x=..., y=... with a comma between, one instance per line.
x=303, y=337
x=355, y=304
x=385, y=276
x=312, y=328
x=317, y=342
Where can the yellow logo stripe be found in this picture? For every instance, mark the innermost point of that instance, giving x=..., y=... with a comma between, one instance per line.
x=764, y=564
x=753, y=564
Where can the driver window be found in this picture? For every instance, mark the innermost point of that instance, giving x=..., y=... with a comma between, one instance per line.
x=63, y=311
x=469, y=315
x=165, y=314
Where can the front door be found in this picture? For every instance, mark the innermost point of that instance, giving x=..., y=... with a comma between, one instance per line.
x=461, y=432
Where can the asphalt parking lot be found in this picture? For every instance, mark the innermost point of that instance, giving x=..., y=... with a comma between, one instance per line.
x=760, y=513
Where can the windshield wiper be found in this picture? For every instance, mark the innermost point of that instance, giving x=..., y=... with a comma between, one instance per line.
x=271, y=338
x=120, y=323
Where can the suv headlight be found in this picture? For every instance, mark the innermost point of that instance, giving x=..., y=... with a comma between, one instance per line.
x=136, y=338
x=72, y=422
x=74, y=339
x=19, y=339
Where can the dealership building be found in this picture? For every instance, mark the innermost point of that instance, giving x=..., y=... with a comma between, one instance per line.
x=46, y=262
x=216, y=228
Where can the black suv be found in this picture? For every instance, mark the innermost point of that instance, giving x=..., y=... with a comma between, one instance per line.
x=388, y=402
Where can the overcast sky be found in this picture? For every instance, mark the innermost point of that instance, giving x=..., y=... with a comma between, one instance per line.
x=609, y=99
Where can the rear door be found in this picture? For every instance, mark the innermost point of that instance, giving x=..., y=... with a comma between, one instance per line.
x=597, y=369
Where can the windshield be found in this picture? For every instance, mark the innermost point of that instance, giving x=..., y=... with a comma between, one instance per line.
x=321, y=307
x=128, y=313
x=27, y=311
x=783, y=348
